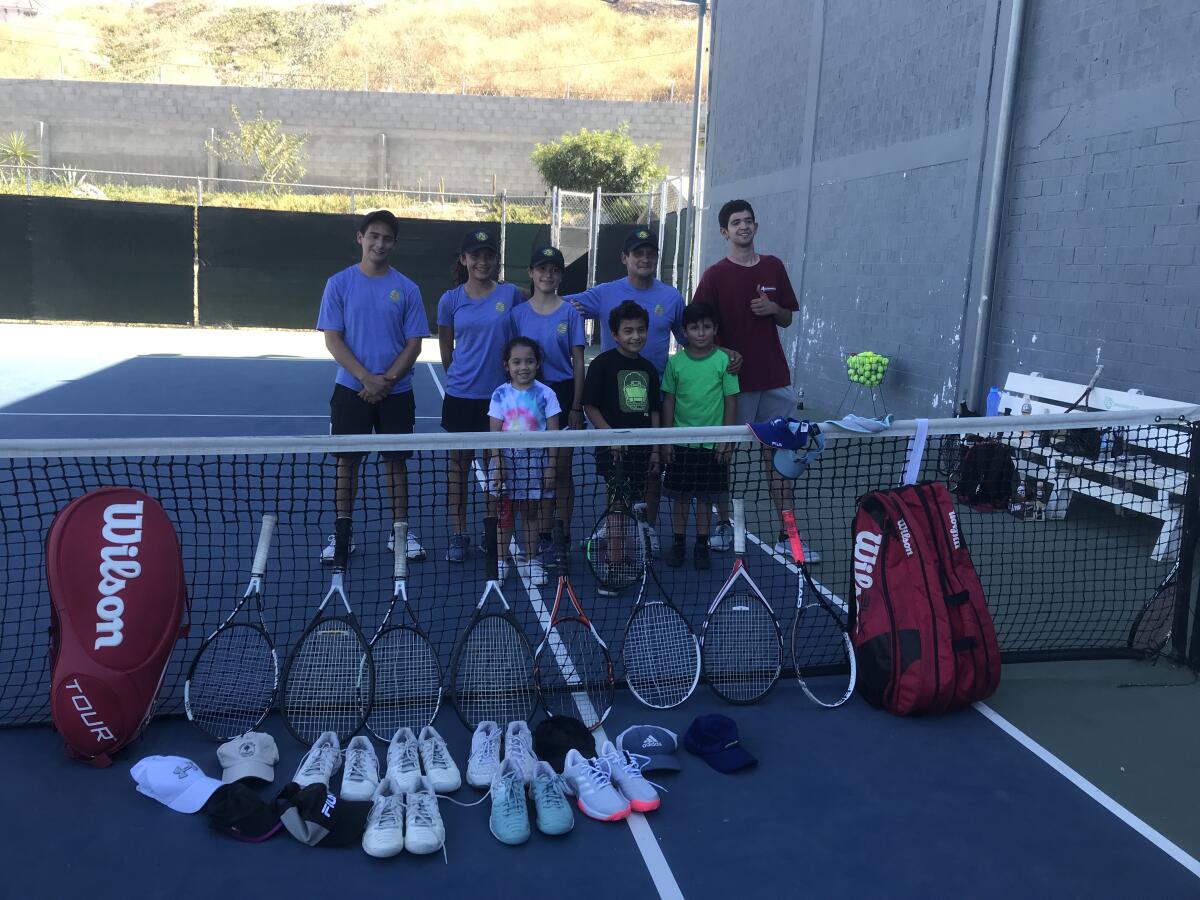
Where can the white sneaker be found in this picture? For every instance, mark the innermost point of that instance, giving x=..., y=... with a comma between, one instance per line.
x=652, y=537
x=403, y=766
x=518, y=746
x=423, y=828
x=590, y=782
x=320, y=762
x=485, y=755
x=627, y=776
x=784, y=548
x=439, y=766
x=415, y=551
x=360, y=776
x=722, y=537
x=533, y=572
x=502, y=570
x=384, y=835
x=327, y=551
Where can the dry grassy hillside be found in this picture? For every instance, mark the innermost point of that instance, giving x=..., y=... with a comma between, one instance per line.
x=629, y=49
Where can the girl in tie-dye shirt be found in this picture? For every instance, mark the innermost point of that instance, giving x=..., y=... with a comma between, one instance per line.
x=523, y=476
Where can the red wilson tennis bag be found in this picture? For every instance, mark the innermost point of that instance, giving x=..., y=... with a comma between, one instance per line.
x=922, y=634
x=118, y=595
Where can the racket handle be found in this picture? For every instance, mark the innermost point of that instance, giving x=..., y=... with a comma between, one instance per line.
x=559, y=537
x=259, y=567
x=490, y=550
x=505, y=510
x=400, y=544
x=739, y=527
x=793, y=533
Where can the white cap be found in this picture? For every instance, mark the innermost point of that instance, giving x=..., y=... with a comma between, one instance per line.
x=173, y=781
x=253, y=755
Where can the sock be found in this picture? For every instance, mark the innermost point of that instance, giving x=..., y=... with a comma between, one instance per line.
x=681, y=540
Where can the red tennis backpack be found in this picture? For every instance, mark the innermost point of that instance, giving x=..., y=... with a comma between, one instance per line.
x=923, y=637
x=118, y=597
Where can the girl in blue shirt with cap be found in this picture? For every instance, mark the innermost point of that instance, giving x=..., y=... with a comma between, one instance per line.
x=473, y=327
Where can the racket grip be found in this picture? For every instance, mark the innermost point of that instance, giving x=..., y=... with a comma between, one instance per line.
x=491, y=552
x=793, y=533
x=739, y=526
x=400, y=545
x=505, y=510
x=265, y=533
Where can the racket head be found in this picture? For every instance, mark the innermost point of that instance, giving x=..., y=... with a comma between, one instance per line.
x=615, y=550
x=408, y=682
x=231, y=684
x=822, y=653
x=660, y=655
x=328, y=681
x=1151, y=630
x=492, y=673
x=741, y=648
x=572, y=667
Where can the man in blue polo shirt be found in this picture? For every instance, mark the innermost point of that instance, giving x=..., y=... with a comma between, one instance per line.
x=373, y=320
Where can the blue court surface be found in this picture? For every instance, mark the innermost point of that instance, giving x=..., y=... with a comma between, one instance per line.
x=847, y=803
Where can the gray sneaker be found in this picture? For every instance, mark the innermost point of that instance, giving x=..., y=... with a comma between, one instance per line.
x=784, y=548
x=457, y=551
x=721, y=539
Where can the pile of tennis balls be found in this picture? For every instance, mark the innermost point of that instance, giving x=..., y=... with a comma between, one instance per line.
x=866, y=368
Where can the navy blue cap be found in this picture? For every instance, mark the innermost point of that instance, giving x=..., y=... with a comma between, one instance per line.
x=714, y=738
x=545, y=255
x=640, y=237
x=478, y=239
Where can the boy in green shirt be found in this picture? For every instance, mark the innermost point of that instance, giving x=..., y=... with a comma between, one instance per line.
x=698, y=391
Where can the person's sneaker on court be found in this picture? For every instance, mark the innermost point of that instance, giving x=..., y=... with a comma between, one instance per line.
x=457, y=551
x=360, y=773
x=437, y=762
x=677, y=552
x=722, y=537
x=700, y=557
x=553, y=811
x=327, y=551
x=591, y=783
x=509, y=820
x=485, y=755
x=627, y=777
x=423, y=828
x=414, y=551
x=320, y=762
x=783, y=547
x=403, y=763
x=532, y=572
x=384, y=835
x=518, y=746
x=652, y=537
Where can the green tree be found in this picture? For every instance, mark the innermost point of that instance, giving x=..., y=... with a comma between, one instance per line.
x=276, y=158
x=610, y=160
x=15, y=151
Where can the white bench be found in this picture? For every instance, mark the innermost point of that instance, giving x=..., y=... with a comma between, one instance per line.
x=1154, y=487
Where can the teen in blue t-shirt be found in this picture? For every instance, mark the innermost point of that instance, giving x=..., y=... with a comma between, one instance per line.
x=473, y=327
x=373, y=320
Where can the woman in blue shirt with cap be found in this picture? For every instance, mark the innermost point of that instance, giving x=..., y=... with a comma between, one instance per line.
x=473, y=327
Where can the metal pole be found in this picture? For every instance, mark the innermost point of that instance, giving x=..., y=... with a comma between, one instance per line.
x=555, y=216
x=678, y=235
x=594, y=235
x=503, y=228
x=662, y=224
x=694, y=139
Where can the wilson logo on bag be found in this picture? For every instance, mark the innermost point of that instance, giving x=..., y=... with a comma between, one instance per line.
x=118, y=597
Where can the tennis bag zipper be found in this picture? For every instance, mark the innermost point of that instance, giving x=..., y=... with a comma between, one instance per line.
x=117, y=601
x=922, y=634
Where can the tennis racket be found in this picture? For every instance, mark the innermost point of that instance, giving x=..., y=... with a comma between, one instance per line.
x=616, y=550
x=572, y=666
x=821, y=648
x=660, y=653
x=1151, y=630
x=741, y=648
x=231, y=684
x=408, y=678
x=329, y=678
x=492, y=670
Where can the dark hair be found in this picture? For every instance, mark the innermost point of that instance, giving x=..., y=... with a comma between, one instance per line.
x=521, y=341
x=733, y=206
x=380, y=215
x=698, y=312
x=628, y=311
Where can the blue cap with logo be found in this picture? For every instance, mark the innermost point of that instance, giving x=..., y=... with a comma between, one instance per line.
x=714, y=738
x=654, y=743
x=797, y=444
x=544, y=255
x=478, y=239
x=640, y=237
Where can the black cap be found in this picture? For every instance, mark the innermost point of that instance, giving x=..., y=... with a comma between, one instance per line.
x=543, y=255
x=640, y=237
x=235, y=810
x=314, y=816
x=478, y=239
x=714, y=738
x=553, y=737
x=379, y=215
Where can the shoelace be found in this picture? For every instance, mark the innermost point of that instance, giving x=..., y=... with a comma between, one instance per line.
x=489, y=746
x=357, y=764
x=389, y=812
x=548, y=792
x=436, y=753
x=512, y=795
x=424, y=807
x=405, y=759
x=519, y=751
x=632, y=764
x=319, y=761
x=599, y=772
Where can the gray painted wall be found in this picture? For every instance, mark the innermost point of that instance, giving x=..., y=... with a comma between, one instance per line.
x=863, y=133
x=463, y=139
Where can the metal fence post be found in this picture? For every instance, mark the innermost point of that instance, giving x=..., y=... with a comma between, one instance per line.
x=555, y=217
x=678, y=229
x=594, y=235
x=503, y=229
x=662, y=224
x=28, y=182
x=353, y=204
x=199, y=192
x=1188, y=545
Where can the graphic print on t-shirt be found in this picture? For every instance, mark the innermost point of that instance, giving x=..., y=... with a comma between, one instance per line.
x=633, y=390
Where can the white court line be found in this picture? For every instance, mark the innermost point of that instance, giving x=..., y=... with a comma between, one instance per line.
x=437, y=381
x=795, y=570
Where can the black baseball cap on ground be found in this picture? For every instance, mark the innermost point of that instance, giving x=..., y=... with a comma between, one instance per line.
x=478, y=239
x=236, y=810
x=314, y=816
x=553, y=737
x=545, y=255
x=714, y=738
x=380, y=215
x=640, y=237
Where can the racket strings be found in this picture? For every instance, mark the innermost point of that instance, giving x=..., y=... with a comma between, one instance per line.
x=743, y=652
x=1152, y=629
x=575, y=674
x=329, y=683
x=822, y=655
x=494, y=678
x=408, y=682
x=232, y=685
x=616, y=551
x=660, y=656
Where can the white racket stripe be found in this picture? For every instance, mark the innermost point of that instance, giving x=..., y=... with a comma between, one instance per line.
x=740, y=572
x=739, y=527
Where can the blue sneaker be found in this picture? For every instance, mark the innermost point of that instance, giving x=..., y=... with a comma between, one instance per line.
x=509, y=820
x=554, y=814
x=457, y=552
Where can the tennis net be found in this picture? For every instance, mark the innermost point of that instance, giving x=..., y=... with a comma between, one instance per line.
x=1097, y=510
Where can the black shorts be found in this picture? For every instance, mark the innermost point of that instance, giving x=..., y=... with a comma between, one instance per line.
x=695, y=472
x=565, y=392
x=635, y=474
x=461, y=414
x=350, y=414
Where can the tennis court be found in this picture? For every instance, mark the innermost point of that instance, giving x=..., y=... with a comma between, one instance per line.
x=842, y=803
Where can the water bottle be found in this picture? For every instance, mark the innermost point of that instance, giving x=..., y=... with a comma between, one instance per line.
x=1026, y=407
x=993, y=402
x=1105, y=444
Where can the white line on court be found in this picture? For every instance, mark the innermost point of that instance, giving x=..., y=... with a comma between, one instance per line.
x=437, y=381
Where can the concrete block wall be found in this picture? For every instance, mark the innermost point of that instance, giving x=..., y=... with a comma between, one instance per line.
x=463, y=140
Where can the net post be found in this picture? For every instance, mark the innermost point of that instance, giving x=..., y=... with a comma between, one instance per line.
x=1188, y=543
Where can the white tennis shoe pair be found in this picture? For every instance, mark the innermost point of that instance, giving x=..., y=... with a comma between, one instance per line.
x=610, y=786
x=410, y=755
x=484, y=761
x=403, y=820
